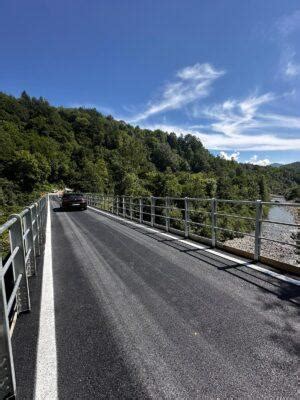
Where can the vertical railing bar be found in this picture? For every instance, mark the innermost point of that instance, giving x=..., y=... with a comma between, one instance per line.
x=141, y=210
x=123, y=203
x=30, y=240
x=19, y=265
x=213, y=221
x=8, y=383
x=258, y=226
x=167, y=205
x=130, y=207
x=152, y=210
x=186, y=217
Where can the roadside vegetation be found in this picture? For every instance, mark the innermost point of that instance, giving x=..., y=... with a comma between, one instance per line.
x=44, y=147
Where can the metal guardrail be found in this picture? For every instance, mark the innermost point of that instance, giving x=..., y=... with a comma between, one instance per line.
x=26, y=233
x=194, y=212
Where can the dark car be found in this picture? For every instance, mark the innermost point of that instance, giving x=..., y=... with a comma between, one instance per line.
x=73, y=200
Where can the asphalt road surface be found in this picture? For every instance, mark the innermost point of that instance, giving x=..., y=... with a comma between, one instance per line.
x=139, y=315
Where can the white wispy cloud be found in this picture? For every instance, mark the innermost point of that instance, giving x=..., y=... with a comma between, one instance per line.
x=245, y=142
x=288, y=24
x=191, y=83
x=245, y=124
x=287, y=27
x=237, y=117
x=256, y=161
x=292, y=69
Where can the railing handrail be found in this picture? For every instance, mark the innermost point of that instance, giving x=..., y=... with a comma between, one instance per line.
x=26, y=236
x=152, y=209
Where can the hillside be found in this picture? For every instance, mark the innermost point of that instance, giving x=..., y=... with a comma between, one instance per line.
x=42, y=146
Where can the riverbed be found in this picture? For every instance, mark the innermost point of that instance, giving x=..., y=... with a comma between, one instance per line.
x=287, y=234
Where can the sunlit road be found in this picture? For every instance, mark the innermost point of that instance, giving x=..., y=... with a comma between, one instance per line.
x=141, y=315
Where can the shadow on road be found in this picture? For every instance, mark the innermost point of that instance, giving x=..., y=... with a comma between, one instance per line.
x=59, y=209
x=280, y=289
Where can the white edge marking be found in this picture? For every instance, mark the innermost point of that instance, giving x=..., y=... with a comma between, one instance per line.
x=208, y=250
x=46, y=361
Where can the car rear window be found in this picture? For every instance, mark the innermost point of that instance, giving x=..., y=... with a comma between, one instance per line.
x=72, y=195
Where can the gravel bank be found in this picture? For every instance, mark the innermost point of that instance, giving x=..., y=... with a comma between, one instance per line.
x=276, y=251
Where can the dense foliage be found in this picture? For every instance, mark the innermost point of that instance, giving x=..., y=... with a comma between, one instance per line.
x=43, y=147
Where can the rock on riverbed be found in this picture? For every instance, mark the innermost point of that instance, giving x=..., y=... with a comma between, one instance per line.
x=276, y=251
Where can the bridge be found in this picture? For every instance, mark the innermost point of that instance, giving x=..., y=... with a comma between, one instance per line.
x=137, y=298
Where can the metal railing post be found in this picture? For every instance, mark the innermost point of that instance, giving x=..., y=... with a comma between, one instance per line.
x=39, y=223
x=130, y=207
x=7, y=370
x=36, y=233
x=258, y=226
x=152, y=210
x=29, y=241
x=43, y=204
x=167, y=203
x=141, y=210
x=19, y=264
x=117, y=200
x=213, y=221
x=186, y=217
x=123, y=204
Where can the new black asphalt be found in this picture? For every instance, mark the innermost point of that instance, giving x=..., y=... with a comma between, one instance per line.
x=139, y=315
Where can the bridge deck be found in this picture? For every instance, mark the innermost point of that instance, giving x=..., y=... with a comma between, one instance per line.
x=142, y=315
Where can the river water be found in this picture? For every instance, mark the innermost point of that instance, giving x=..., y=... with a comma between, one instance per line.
x=287, y=234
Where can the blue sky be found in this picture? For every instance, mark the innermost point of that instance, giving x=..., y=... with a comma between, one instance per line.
x=227, y=71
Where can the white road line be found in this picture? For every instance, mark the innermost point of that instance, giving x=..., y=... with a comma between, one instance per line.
x=46, y=362
x=217, y=253
x=274, y=274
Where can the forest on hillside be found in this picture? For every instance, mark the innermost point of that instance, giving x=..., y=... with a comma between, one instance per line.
x=44, y=147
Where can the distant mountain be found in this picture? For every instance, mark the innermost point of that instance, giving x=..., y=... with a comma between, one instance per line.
x=295, y=165
x=276, y=165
